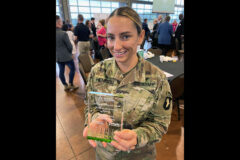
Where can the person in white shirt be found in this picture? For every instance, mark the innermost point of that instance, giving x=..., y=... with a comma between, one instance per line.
x=71, y=38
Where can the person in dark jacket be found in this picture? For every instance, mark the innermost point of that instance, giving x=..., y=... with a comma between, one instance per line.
x=64, y=55
x=95, y=39
x=180, y=31
x=154, y=34
x=147, y=31
x=93, y=26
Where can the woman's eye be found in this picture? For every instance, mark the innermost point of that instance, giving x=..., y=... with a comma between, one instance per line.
x=125, y=37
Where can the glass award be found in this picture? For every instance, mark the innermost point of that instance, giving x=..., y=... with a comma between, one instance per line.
x=108, y=104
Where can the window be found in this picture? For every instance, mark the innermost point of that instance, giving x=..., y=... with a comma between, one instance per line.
x=87, y=16
x=134, y=5
x=106, y=4
x=74, y=15
x=83, y=3
x=178, y=2
x=95, y=3
x=58, y=8
x=144, y=11
x=179, y=8
x=115, y=4
x=140, y=6
x=147, y=6
x=83, y=9
x=88, y=7
x=106, y=10
x=95, y=10
x=72, y=2
x=140, y=11
x=73, y=9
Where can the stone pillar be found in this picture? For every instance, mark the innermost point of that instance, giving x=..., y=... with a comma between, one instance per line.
x=64, y=10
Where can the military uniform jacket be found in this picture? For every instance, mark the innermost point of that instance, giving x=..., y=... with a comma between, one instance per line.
x=148, y=105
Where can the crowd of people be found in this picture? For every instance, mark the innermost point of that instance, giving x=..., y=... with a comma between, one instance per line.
x=85, y=38
x=164, y=34
x=91, y=39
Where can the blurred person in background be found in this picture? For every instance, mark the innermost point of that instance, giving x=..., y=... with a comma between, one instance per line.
x=180, y=31
x=64, y=55
x=71, y=38
x=89, y=25
x=165, y=31
x=101, y=34
x=174, y=24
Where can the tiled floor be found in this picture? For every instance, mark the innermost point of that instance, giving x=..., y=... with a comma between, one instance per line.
x=71, y=145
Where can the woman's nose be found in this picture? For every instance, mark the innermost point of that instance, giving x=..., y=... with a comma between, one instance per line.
x=117, y=44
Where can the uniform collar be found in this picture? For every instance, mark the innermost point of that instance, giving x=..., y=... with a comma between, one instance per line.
x=137, y=74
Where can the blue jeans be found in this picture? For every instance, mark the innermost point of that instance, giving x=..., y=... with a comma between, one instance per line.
x=71, y=66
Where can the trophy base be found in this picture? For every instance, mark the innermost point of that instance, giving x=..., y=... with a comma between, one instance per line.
x=99, y=139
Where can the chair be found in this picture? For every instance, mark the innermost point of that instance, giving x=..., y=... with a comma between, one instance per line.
x=85, y=65
x=156, y=51
x=84, y=59
x=105, y=53
x=83, y=74
x=177, y=88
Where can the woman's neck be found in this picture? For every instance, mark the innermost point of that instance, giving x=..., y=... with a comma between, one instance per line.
x=127, y=66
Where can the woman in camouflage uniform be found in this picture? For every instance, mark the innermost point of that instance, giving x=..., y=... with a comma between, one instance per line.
x=148, y=108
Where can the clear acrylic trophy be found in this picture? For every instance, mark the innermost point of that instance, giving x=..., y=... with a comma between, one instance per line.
x=109, y=104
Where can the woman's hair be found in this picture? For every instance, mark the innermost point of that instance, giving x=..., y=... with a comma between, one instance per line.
x=102, y=21
x=86, y=23
x=129, y=13
x=65, y=27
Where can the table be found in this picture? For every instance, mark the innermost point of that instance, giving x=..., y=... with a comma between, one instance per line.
x=174, y=68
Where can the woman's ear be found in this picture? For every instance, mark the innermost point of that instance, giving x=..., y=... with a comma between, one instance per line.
x=141, y=37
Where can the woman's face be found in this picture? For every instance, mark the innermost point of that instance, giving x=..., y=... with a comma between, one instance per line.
x=123, y=39
x=99, y=25
x=89, y=24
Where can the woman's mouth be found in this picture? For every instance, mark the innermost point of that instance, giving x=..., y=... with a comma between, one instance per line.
x=120, y=54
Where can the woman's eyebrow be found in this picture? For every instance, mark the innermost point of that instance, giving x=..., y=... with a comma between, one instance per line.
x=125, y=33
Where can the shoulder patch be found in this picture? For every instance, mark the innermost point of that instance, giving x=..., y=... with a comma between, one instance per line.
x=167, y=103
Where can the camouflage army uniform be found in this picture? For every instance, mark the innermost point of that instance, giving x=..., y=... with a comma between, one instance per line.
x=148, y=108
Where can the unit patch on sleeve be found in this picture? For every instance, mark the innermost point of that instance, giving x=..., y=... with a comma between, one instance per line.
x=167, y=103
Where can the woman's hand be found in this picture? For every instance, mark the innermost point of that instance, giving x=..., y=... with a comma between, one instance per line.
x=99, y=122
x=125, y=140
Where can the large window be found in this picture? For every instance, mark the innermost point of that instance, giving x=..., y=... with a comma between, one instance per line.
x=179, y=8
x=57, y=8
x=144, y=11
x=88, y=7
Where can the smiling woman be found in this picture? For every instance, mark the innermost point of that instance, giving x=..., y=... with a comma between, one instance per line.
x=143, y=85
x=124, y=30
